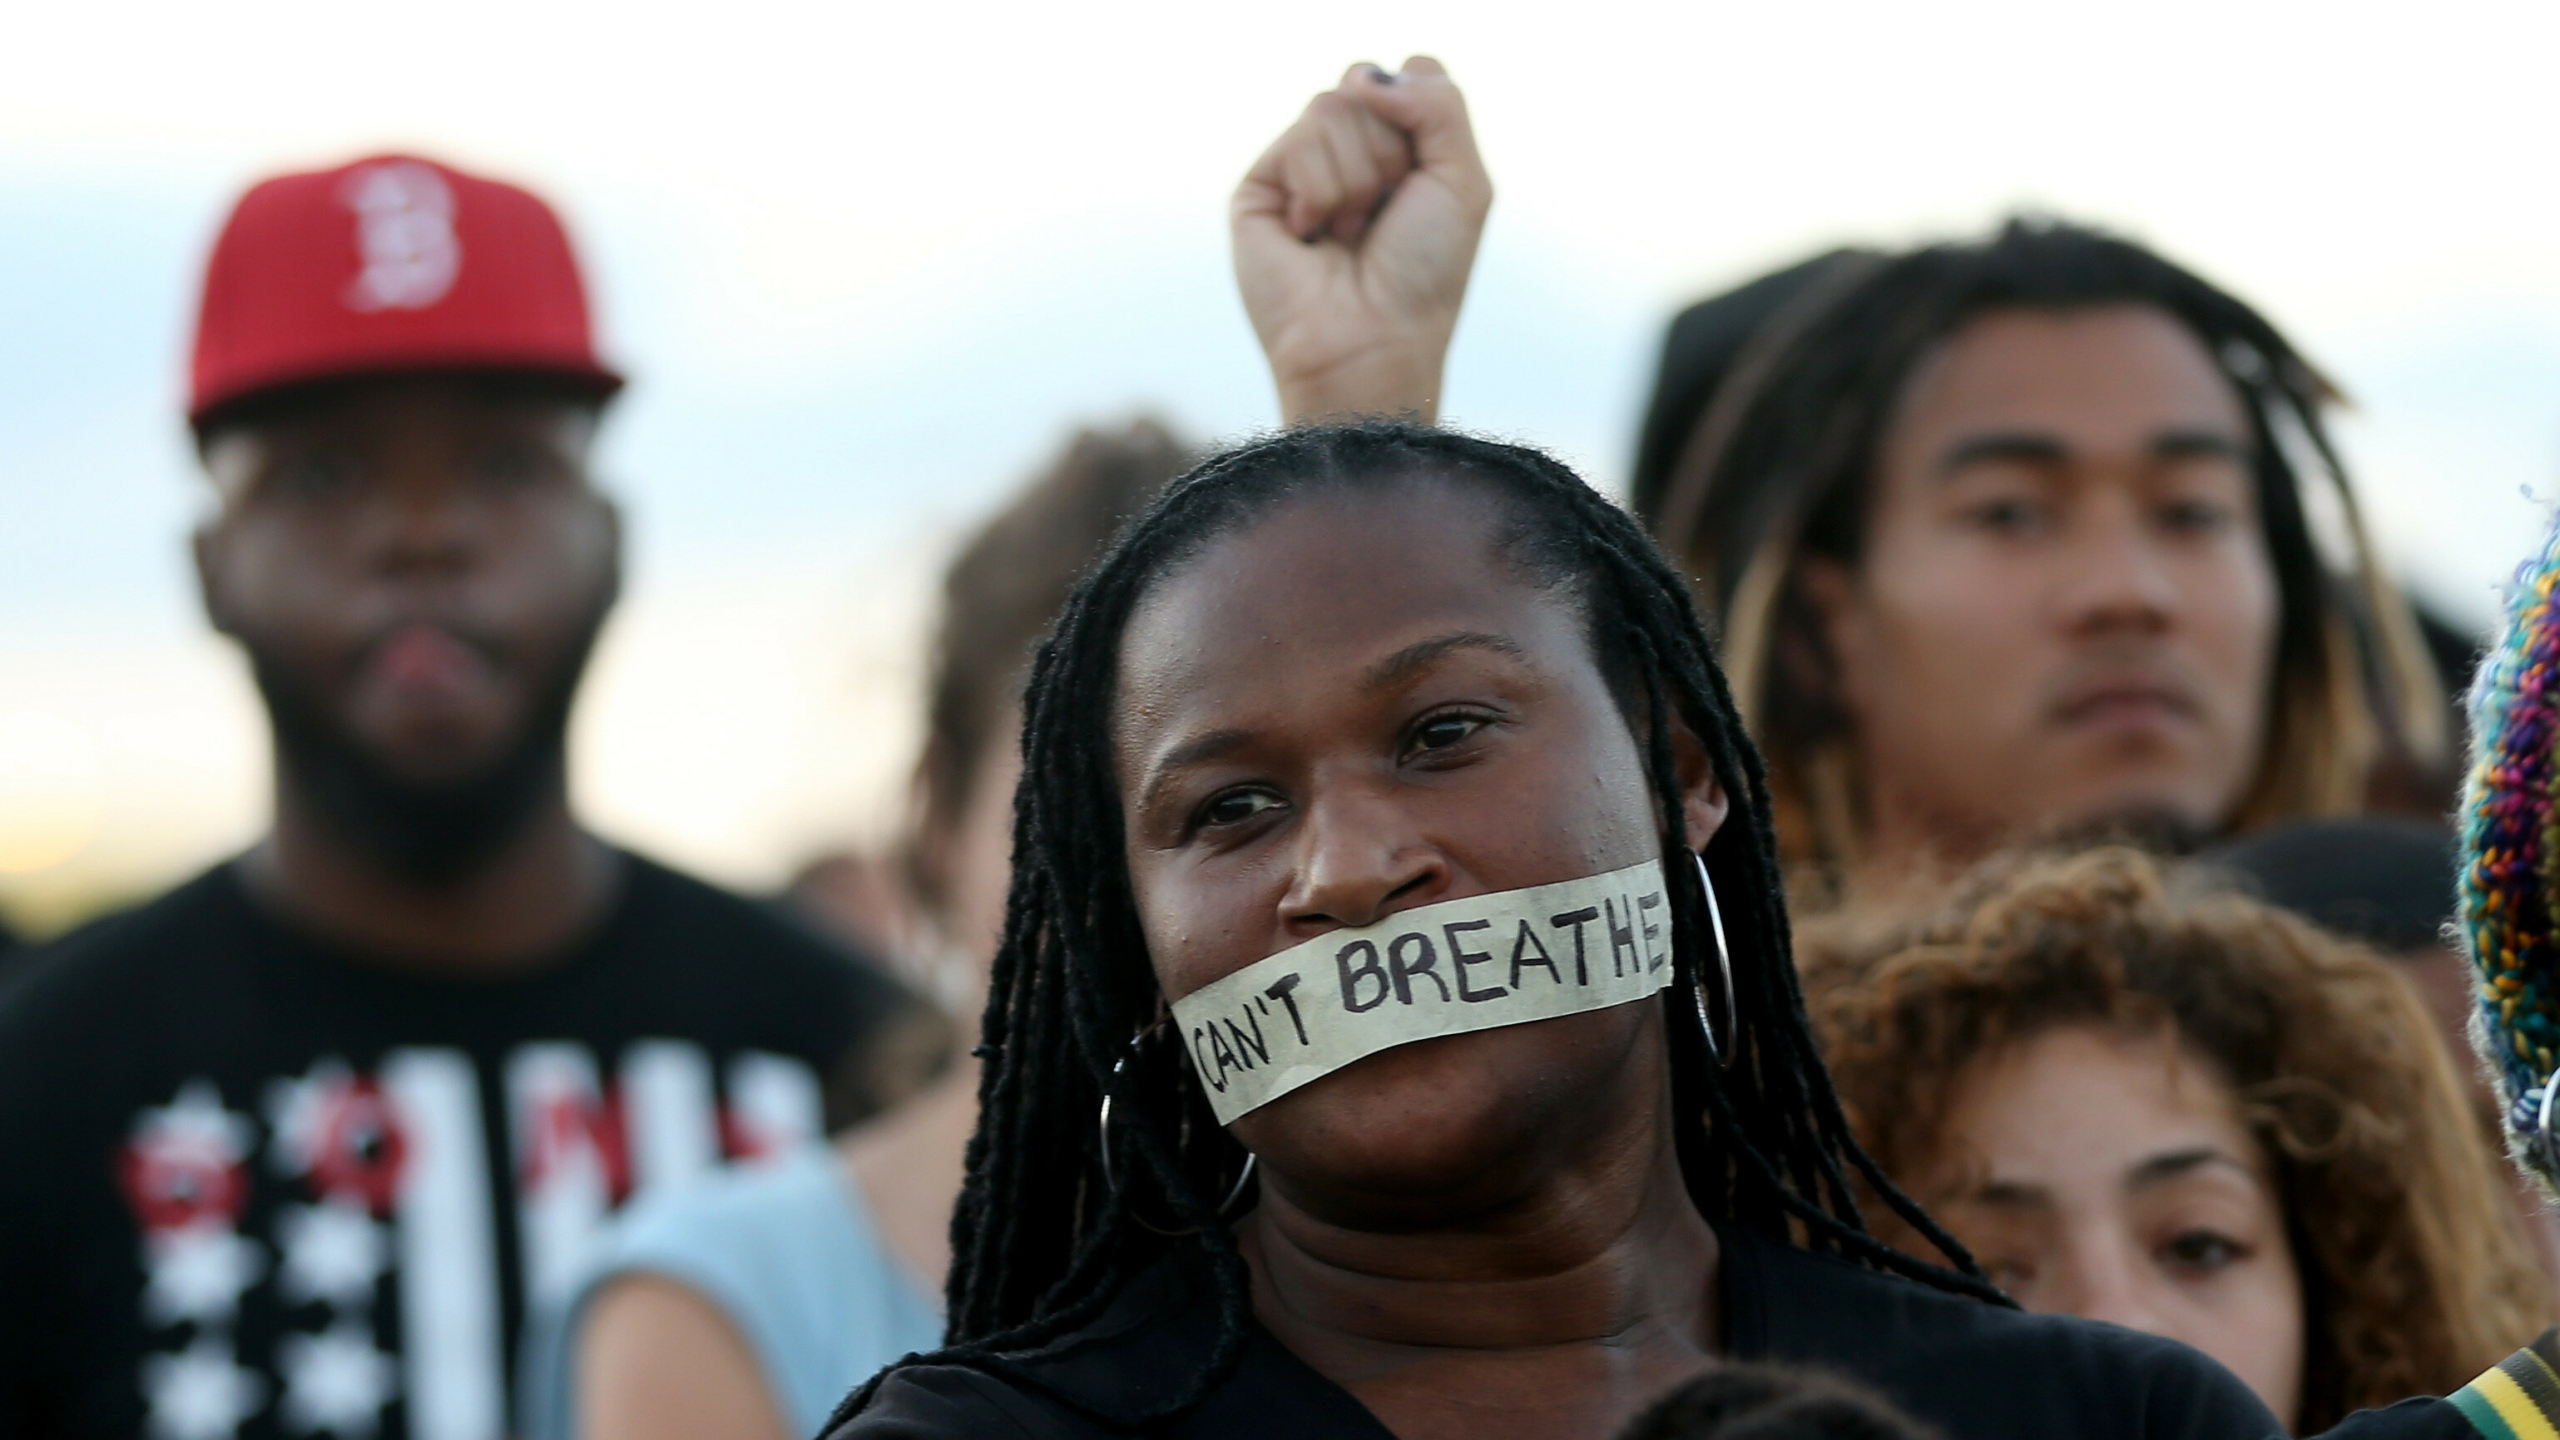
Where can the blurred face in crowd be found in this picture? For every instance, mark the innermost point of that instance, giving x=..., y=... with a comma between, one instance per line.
x=982, y=846
x=416, y=567
x=1352, y=707
x=2065, y=611
x=2107, y=1175
x=972, y=852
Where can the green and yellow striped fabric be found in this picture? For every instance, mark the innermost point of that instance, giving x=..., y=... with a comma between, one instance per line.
x=2519, y=1397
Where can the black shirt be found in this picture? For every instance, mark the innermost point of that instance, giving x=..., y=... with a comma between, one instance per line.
x=253, y=1186
x=1968, y=1368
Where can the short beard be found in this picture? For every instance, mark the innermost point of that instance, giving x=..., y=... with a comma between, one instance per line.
x=2156, y=829
x=430, y=834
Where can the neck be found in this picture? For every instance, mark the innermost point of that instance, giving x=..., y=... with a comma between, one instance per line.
x=1914, y=852
x=545, y=886
x=1561, y=1313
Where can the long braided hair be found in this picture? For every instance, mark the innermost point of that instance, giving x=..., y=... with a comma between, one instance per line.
x=1045, y=1235
x=1769, y=452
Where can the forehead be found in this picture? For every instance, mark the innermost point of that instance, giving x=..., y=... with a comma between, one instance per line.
x=1325, y=581
x=2111, y=370
x=2090, y=1101
x=389, y=408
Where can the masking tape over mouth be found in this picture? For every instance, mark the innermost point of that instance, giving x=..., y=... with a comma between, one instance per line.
x=1486, y=961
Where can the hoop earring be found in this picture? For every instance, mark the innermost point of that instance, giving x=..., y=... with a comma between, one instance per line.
x=1723, y=1052
x=1111, y=1182
x=2545, y=1146
x=1103, y=1126
x=1236, y=1191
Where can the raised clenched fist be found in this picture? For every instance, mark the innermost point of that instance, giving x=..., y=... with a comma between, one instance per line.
x=1354, y=234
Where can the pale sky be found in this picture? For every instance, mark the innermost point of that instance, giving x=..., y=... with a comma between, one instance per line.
x=866, y=263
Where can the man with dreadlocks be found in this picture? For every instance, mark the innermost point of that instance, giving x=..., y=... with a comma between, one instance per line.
x=1394, y=1031
x=2000, y=538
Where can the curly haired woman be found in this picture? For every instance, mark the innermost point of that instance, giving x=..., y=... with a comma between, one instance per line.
x=2140, y=1098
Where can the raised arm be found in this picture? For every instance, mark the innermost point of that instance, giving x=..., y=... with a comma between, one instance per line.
x=1354, y=234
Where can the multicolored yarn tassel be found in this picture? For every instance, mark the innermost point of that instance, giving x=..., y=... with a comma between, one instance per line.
x=2511, y=856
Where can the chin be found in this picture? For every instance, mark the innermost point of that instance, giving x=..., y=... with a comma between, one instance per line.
x=435, y=752
x=2155, y=819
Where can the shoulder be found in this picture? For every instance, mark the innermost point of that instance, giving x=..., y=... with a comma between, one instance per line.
x=761, y=970
x=677, y=906
x=950, y=1402
x=717, y=932
x=725, y=950
x=100, y=971
x=786, y=1241
x=1974, y=1368
x=727, y=1219
x=2421, y=1419
x=785, y=1253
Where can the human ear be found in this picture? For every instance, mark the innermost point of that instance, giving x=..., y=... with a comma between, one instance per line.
x=1831, y=588
x=1703, y=804
x=206, y=546
x=611, y=516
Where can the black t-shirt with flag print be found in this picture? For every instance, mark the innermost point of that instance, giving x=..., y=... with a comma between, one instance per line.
x=251, y=1186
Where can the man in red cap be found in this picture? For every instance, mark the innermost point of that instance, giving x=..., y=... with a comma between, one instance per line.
x=293, y=1149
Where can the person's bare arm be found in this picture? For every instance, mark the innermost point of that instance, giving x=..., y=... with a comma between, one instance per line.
x=1354, y=234
x=656, y=1361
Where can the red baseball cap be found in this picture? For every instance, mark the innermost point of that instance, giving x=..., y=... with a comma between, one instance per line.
x=392, y=263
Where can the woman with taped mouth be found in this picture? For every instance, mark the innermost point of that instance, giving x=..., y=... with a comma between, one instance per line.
x=1397, y=761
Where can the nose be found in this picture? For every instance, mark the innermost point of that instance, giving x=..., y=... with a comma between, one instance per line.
x=1359, y=860
x=2104, y=1278
x=2116, y=578
x=424, y=525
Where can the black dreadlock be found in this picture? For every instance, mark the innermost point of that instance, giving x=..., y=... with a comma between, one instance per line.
x=1042, y=1241
x=1773, y=450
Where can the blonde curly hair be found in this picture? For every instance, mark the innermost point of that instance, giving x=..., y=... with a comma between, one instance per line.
x=2417, y=1273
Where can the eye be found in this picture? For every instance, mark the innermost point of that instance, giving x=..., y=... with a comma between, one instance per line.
x=1442, y=731
x=510, y=467
x=317, y=474
x=2197, y=517
x=2202, y=1252
x=2007, y=515
x=1234, y=807
x=2011, y=1273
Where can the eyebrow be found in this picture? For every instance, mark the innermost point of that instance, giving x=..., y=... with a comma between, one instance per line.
x=1400, y=666
x=2156, y=1170
x=1419, y=656
x=2011, y=445
x=2190, y=444
x=1211, y=746
x=2032, y=448
x=2160, y=1169
x=1199, y=749
x=2012, y=1195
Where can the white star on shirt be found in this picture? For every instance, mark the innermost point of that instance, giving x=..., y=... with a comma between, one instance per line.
x=295, y=1106
x=197, y=1273
x=200, y=1393
x=334, y=1381
x=197, y=1117
x=333, y=1251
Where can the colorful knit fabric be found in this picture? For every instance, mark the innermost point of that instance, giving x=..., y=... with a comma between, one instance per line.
x=2511, y=853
